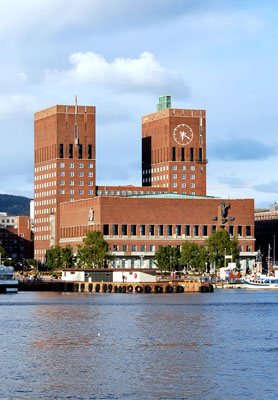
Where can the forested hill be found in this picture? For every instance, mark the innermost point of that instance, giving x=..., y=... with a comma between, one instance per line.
x=14, y=205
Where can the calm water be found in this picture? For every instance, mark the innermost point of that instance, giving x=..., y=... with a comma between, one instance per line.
x=222, y=345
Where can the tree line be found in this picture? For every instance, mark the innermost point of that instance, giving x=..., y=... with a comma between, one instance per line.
x=94, y=253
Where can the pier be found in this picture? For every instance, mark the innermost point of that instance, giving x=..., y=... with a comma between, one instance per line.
x=115, y=287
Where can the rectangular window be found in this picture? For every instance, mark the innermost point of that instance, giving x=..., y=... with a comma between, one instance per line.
x=196, y=230
x=151, y=230
x=106, y=229
x=200, y=154
x=115, y=247
x=143, y=247
x=192, y=167
x=183, y=185
x=187, y=230
x=62, y=173
x=124, y=230
x=169, y=230
x=62, y=165
x=61, y=191
x=213, y=228
x=80, y=183
x=174, y=176
x=80, y=151
x=61, y=151
x=133, y=248
x=90, y=183
x=90, y=165
x=133, y=230
x=70, y=151
x=192, y=176
x=90, y=191
x=183, y=167
x=160, y=230
x=248, y=230
x=192, y=185
x=178, y=230
x=81, y=165
x=183, y=176
x=71, y=173
x=71, y=183
x=231, y=230
x=115, y=229
x=89, y=151
x=182, y=154
x=205, y=230
x=152, y=247
x=124, y=247
x=81, y=173
x=90, y=174
x=173, y=154
x=62, y=182
x=71, y=191
x=80, y=191
x=191, y=154
x=142, y=230
x=174, y=167
x=71, y=165
x=239, y=230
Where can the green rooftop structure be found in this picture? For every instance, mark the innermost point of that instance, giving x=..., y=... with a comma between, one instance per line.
x=164, y=102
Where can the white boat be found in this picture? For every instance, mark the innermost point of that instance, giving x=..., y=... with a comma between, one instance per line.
x=8, y=281
x=261, y=282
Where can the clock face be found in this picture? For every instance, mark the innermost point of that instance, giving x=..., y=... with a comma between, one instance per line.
x=183, y=134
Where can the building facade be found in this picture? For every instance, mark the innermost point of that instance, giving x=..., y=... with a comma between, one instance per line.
x=170, y=207
x=15, y=236
x=64, y=167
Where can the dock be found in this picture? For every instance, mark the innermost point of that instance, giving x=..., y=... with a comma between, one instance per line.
x=115, y=287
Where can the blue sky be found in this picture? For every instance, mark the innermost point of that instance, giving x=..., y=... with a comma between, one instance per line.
x=120, y=56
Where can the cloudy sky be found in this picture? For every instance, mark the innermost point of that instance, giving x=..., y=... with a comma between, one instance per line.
x=120, y=55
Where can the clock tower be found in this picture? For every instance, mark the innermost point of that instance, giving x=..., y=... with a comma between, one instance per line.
x=174, y=149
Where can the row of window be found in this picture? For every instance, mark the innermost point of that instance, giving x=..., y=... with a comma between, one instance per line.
x=153, y=248
x=80, y=173
x=45, y=167
x=71, y=191
x=163, y=177
x=71, y=165
x=165, y=168
x=191, y=154
x=71, y=183
x=70, y=151
x=45, y=176
x=169, y=230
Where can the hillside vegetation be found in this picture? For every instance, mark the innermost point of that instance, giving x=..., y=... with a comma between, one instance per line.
x=14, y=205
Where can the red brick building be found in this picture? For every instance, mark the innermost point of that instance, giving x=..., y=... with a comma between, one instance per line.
x=15, y=236
x=169, y=208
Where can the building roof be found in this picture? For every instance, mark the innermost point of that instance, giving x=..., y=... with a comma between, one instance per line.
x=170, y=196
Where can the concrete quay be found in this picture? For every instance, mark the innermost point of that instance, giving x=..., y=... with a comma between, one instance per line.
x=116, y=287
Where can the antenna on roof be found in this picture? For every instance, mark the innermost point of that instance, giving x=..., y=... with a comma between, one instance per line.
x=75, y=104
x=75, y=125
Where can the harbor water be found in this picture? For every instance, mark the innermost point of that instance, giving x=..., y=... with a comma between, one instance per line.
x=221, y=345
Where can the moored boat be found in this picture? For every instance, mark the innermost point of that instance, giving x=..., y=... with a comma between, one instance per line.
x=8, y=281
x=261, y=282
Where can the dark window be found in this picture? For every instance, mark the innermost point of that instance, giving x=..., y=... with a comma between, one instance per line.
x=213, y=228
x=106, y=229
x=196, y=230
x=89, y=151
x=178, y=230
x=182, y=154
x=205, y=230
x=160, y=230
x=169, y=230
x=70, y=151
x=191, y=154
x=80, y=151
x=124, y=230
x=61, y=155
x=239, y=230
x=124, y=247
x=173, y=154
x=115, y=229
x=231, y=230
x=187, y=230
x=151, y=230
x=142, y=230
x=133, y=230
x=200, y=154
x=248, y=230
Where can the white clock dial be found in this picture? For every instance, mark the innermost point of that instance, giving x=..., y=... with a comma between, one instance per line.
x=183, y=134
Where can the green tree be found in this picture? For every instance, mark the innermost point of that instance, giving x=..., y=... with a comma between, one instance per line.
x=94, y=252
x=67, y=257
x=53, y=258
x=194, y=256
x=3, y=252
x=167, y=258
x=219, y=244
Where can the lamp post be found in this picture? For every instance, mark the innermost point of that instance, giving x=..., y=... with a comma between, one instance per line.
x=268, y=258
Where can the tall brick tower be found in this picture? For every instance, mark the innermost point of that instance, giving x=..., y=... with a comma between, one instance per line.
x=174, y=149
x=64, y=170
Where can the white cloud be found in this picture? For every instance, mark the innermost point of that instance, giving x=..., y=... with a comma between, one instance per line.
x=17, y=104
x=143, y=74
